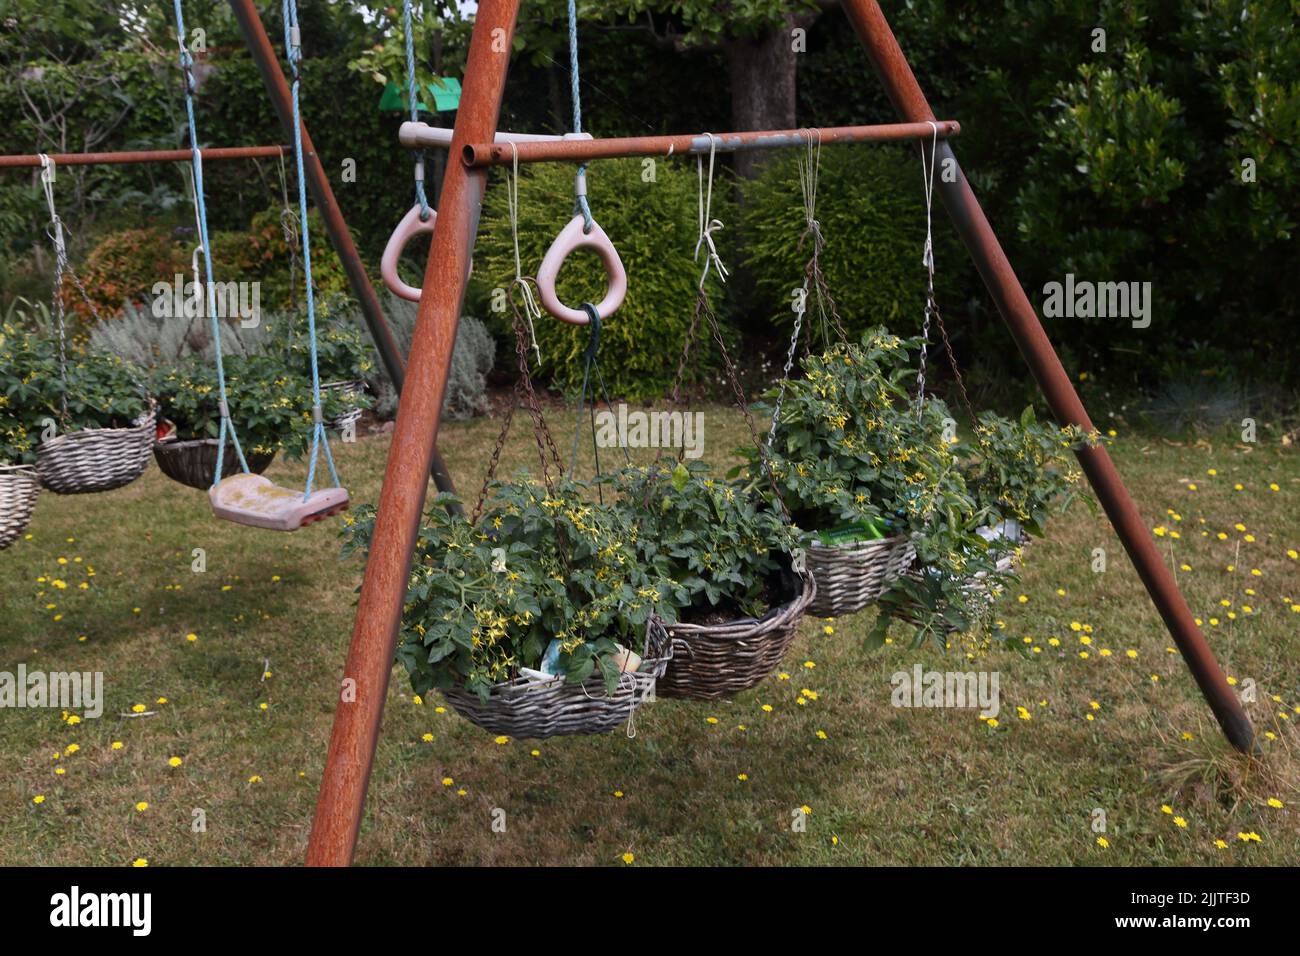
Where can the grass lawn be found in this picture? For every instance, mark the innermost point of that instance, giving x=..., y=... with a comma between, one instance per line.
x=238, y=668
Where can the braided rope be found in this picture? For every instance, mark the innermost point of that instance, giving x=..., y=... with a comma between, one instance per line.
x=412, y=94
x=575, y=94
x=227, y=429
x=319, y=437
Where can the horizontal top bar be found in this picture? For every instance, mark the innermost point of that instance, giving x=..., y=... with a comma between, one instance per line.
x=415, y=135
x=690, y=144
x=144, y=156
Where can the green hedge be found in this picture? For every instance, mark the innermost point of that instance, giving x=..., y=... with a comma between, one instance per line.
x=870, y=205
x=653, y=226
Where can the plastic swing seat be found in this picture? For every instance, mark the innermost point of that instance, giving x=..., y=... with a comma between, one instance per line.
x=258, y=502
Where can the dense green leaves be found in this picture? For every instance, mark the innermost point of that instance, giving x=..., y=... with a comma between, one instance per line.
x=540, y=565
x=720, y=540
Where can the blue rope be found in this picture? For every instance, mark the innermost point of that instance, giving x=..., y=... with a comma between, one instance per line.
x=319, y=436
x=227, y=426
x=576, y=96
x=413, y=98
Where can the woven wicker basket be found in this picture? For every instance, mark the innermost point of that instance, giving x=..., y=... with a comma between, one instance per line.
x=527, y=708
x=346, y=390
x=851, y=576
x=96, y=459
x=718, y=660
x=19, y=486
x=193, y=462
x=978, y=585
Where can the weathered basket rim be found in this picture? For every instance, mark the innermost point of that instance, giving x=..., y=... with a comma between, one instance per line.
x=146, y=418
x=777, y=618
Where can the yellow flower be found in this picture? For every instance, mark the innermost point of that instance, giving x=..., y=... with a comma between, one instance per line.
x=174, y=762
x=628, y=857
x=1180, y=822
x=38, y=799
x=1275, y=803
x=141, y=807
x=1103, y=843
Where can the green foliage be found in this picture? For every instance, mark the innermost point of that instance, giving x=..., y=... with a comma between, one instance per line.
x=719, y=540
x=101, y=391
x=851, y=446
x=872, y=215
x=1023, y=470
x=540, y=565
x=707, y=22
x=472, y=359
x=125, y=266
x=653, y=224
x=270, y=404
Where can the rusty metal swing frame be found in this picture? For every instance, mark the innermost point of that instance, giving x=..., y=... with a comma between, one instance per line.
x=370, y=656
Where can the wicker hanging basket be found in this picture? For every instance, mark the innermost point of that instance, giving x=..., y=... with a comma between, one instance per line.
x=718, y=660
x=346, y=390
x=851, y=576
x=527, y=708
x=194, y=462
x=979, y=586
x=96, y=459
x=19, y=486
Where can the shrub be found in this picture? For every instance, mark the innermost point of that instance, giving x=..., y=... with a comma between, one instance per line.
x=471, y=360
x=871, y=209
x=123, y=267
x=654, y=227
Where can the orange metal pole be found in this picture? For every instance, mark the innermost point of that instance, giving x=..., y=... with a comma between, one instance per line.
x=691, y=144
x=379, y=610
x=145, y=156
x=1022, y=320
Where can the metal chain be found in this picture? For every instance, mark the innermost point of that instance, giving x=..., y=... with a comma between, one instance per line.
x=927, y=260
x=789, y=364
x=952, y=361
x=525, y=394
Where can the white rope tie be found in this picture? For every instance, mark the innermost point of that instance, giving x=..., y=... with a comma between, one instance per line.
x=707, y=224
x=809, y=170
x=531, y=308
x=927, y=174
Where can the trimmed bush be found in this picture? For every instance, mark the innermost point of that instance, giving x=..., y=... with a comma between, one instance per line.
x=652, y=224
x=124, y=266
x=871, y=207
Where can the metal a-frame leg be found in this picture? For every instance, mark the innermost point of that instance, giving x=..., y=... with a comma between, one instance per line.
x=1016, y=310
x=379, y=610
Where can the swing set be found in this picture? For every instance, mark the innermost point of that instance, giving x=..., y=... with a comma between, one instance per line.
x=474, y=145
x=477, y=143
